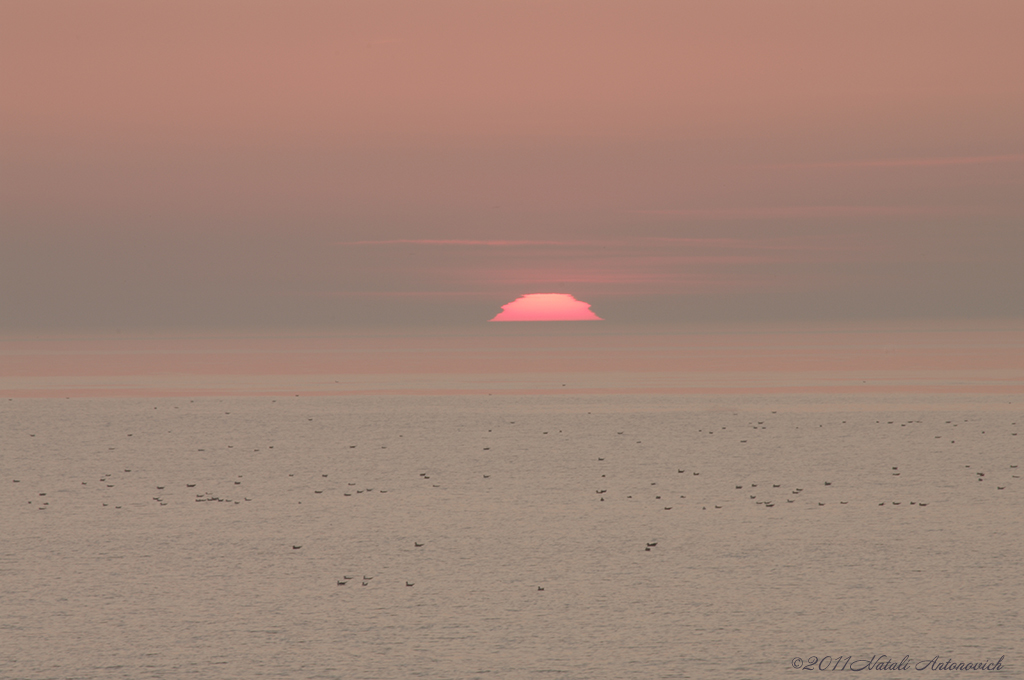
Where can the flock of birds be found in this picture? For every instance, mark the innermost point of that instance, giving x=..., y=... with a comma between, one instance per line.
x=760, y=493
x=796, y=491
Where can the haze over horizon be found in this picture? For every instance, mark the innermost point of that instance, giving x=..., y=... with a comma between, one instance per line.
x=265, y=166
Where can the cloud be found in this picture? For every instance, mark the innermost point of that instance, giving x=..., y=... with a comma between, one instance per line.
x=546, y=307
x=736, y=243
x=453, y=242
x=806, y=211
x=910, y=162
x=404, y=293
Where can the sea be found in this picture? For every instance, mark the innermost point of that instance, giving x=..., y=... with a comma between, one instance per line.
x=514, y=501
x=540, y=534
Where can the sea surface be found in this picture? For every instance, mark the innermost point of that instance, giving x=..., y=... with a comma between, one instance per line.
x=597, y=536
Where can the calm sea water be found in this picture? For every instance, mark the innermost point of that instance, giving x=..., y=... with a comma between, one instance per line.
x=205, y=538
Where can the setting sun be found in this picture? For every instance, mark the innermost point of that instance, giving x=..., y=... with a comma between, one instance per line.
x=546, y=307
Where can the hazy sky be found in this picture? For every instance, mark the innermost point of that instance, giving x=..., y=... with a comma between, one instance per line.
x=295, y=164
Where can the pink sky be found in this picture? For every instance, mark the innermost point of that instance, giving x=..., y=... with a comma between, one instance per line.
x=257, y=165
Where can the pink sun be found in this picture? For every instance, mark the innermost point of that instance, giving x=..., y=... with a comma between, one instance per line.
x=546, y=307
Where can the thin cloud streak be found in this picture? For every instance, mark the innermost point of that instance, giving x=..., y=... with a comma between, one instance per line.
x=403, y=293
x=811, y=211
x=908, y=162
x=736, y=243
x=722, y=243
x=455, y=242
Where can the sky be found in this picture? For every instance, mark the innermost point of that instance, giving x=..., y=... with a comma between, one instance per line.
x=198, y=166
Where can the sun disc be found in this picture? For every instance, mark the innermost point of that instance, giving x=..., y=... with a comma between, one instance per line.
x=546, y=307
